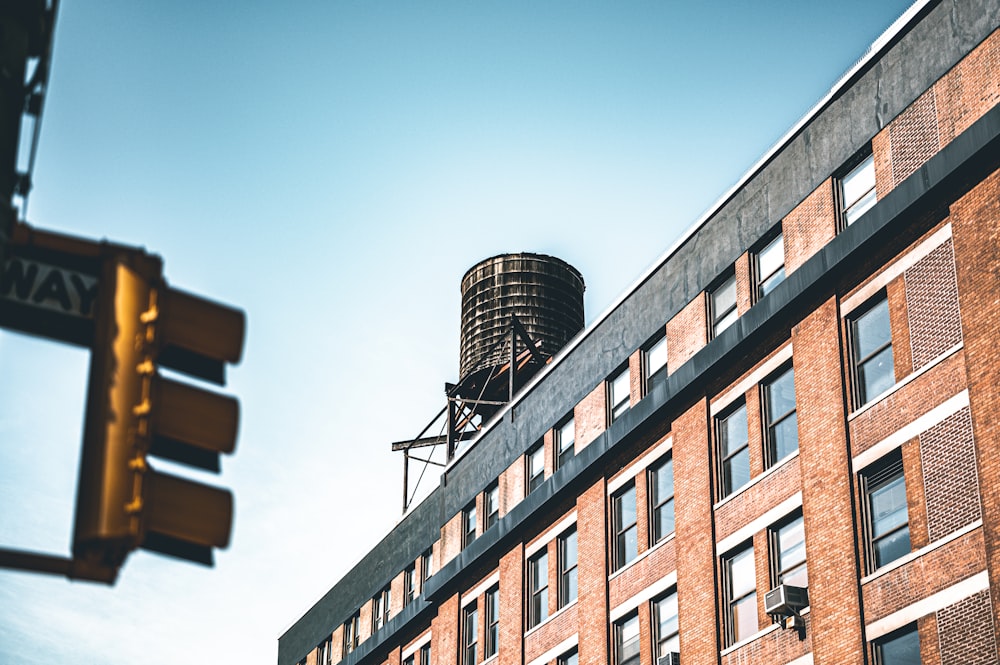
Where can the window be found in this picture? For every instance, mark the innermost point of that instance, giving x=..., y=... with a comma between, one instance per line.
x=871, y=339
x=468, y=524
x=351, y=633
x=491, y=505
x=654, y=360
x=770, y=265
x=569, y=658
x=567, y=568
x=627, y=640
x=884, y=486
x=857, y=191
x=380, y=609
x=425, y=566
x=722, y=307
x=409, y=584
x=409, y=660
x=661, y=499
x=425, y=654
x=565, y=437
x=623, y=516
x=741, y=595
x=901, y=647
x=492, y=622
x=781, y=427
x=618, y=394
x=538, y=585
x=734, y=449
x=470, y=634
x=665, y=626
x=788, y=548
x=536, y=467
x=324, y=652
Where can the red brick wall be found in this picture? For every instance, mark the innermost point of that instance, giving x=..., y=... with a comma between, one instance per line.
x=511, y=486
x=757, y=499
x=592, y=571
x=923, y=576
x=687, y=332
x=932, y=304
x=907, y=403
x=965, y=631
x=744, y=284
x=827, y=490
x=696, y=596
x=550, y=633
x=446, y=634
x=950, y=482
x=591, y=416
x=976, y=228
x=511, y=607
x=642, y=573
x=969, y=90
x=808, y=227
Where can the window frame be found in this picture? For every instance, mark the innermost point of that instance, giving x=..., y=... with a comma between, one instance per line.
x=910, y=630
x=656, y=504
x=652, y=377
x=620, y=531
x=425, y=567
x=538, y=588
x=779, y=571
x=769, y=422
x=561, y=451
x=725, y=487
x=567, y=570
x=409, y=584
x=324, y=655
x=771, y=279
x=425, y=654
x=878, y=476
x=533, y=481
x=619, y=641
x=858, y=388
x=715, y=317
x=659, y=641
x=618, y=409
x=491, y=610
x=730, y=601
x=380, y=608
x=469, y=519
x=351, y=637
x=571, y=657
x=851, y=167
x=470, y=634
x=491, y=505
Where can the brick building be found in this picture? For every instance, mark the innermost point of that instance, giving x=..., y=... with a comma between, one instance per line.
x=823, y=416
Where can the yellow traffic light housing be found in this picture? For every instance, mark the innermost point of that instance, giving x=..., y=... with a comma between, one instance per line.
x=133, y=413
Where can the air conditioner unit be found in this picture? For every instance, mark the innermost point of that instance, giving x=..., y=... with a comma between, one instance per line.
x=786, y=600
x=672, y=658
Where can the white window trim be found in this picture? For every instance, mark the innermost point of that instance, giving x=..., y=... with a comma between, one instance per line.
x=756, y=479
x=909, y=378
x=802, y=660
x=556, y=651
x=932, y=603
x=926, y=549
x=722, y=401
x=549, y=535
x=651, y=591
x=629, y=473
x=470, y=596
x=561, y=610
x=916, y=427
x=415, y=646
x=894, y=270
x=747, y=531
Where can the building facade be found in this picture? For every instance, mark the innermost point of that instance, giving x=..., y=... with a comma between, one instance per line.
x=802, y=392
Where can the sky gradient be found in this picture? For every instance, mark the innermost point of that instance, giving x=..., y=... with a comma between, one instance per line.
x=333, y=168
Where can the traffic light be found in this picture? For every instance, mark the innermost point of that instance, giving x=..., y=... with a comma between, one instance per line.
x=134, y=413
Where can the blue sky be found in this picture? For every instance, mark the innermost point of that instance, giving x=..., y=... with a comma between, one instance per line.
x=333, y=168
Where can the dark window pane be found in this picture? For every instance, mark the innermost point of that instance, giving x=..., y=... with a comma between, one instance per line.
x=900, y=649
